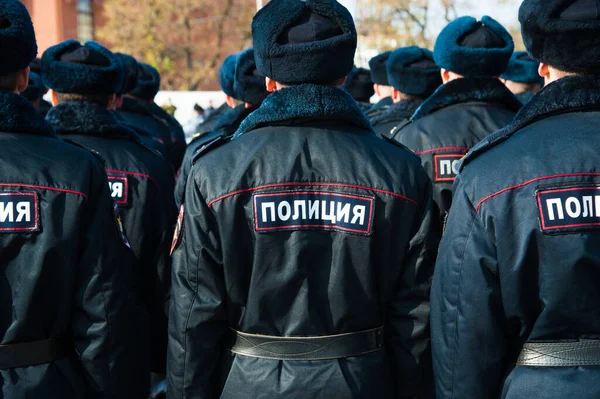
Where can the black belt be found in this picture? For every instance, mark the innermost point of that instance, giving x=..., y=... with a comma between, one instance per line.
x=306, y=348
x=560, y=354
x=35, y=352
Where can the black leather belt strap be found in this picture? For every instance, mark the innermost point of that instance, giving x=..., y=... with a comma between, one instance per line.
x=306, y=348
x=35, y=352
x=560, y=354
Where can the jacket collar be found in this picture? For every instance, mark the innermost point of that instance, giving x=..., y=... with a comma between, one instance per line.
x=233, y=117
x=17, y=115
x=397, y=112
x=81, y=117
x=135, y=106
x=570, y=94
x=306, y=102
x=489, y=90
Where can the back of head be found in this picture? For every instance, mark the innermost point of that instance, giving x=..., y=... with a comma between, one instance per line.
x=360, y=85
x=412, y=71
x=310, y=41
x=522, y=69
x=248, y=85
x=474, y=48
x=148, y=82
x=130, y=73
x=17, y=41
x=88, y=69
x=563, y=33
x=378, y=66
x=227, y=74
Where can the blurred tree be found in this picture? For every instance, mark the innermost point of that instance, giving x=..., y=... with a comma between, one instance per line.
x=186, y=40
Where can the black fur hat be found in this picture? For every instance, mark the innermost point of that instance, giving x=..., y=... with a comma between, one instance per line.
x=522, y=69
x=130, y=73
x=360, y=85
x=227, y=74
x=248, y=86
x=70, y=67
x=148, y=82
x=458, y=50
x=562, y=33
x=412, y=71
x=378, y=65
x=310, y=41
x=17, y=38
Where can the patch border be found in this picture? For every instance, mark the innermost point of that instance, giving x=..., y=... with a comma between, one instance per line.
x=125, y=180
x=36, y=211
x=571, y=228
x=436, y=170
x=315, y=227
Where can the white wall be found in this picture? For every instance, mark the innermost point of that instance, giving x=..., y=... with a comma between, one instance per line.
x=185, y=101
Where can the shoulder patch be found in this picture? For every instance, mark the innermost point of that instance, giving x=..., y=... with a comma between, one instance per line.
x=19, y=212
x=564, y=209
x=119, y=189
x=210, y=146
x=313, y=210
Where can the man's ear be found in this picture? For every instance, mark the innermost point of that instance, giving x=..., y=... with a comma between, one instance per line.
x=53, y=98
x=112, y=102
x=271, y=85
x=22, y=80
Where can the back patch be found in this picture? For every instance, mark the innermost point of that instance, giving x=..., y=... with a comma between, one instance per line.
x=569, y=209
x=446, y=166
x=19, y=212
x=313, y=210
x=119, y=189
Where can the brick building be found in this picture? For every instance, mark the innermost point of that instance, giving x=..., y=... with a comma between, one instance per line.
x=58, y=20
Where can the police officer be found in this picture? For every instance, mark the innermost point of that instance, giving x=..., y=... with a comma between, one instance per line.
x=308, y=229
x=471, y=104
x=522, y=76
x=414, y=77
x=515, y=298
x=139, y=109
x=245, y=91
x=381, y=85
x=84, y=80
x=360, y=86
x=70, y=326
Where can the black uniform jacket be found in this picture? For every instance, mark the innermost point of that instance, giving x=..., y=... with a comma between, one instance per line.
x=141, y=184
x=396, y=114
x=450, y=122
x=151, y=118
x=211, y=120
x=65, y=271
x=380, y=107
x=520, y=260
x=225, y=127
x=305, y=224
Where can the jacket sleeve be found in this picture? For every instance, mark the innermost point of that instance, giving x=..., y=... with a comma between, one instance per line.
x=109, y=323
x=467, y=315
x=197, y=318
x=407, y=327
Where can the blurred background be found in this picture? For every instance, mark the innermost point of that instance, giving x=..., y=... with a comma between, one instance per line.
x=187, y=40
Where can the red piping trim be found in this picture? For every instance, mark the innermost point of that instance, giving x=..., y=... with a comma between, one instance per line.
x=306, y=184
x=123, y=172
x=533, y=181
x=61, y=190
x=443, y=149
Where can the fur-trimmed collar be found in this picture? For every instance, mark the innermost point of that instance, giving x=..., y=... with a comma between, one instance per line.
x=488, y=90
x=17, y=115
x=569, y=94
x=306, y=102
x=86, y=118
x=398, y=112
x=233, y=117
x=135, y=106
